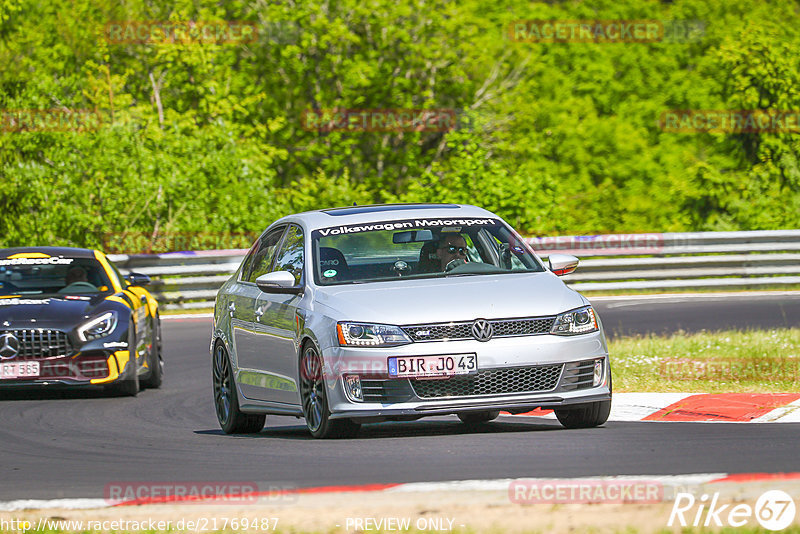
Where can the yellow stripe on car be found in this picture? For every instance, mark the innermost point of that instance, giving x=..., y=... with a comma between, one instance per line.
x=152, y=304
x=28, y=255
x=121, y=356
x=109, y=271
x=114, y=298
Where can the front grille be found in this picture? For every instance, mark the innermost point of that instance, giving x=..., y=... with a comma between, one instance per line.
x=526, y=326
x=41, y=343
x=578, y=375
x=491, y=382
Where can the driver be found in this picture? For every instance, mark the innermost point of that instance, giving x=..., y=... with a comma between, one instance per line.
x=451, y=247
x=77, y=280
x=76, y=274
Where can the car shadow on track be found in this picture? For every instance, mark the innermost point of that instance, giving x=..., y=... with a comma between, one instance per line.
x=54, y=394
x=402, y=430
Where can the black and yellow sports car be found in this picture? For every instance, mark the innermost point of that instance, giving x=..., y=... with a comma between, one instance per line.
x=69, y=318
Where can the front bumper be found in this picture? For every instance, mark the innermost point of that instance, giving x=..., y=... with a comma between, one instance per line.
x=504, y=354
x=91, y=368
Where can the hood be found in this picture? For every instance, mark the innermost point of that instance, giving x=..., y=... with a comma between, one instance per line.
x=455, y=298
x=59, y=312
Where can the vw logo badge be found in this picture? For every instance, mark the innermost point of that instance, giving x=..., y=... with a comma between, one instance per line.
x=9, y=346
x=482, y=330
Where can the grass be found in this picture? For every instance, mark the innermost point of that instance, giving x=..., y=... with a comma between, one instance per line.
x=753, y=361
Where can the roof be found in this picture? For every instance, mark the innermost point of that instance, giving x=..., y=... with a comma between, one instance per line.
x=383, y=212
x=69, y=252
x=373, y=208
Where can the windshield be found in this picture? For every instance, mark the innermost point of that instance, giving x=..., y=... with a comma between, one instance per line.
x=419, y=248
x=56, y=275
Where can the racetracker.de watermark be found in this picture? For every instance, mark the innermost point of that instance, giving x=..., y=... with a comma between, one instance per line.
x=608, y=243
x=729, y=121
x=381, y=120
x=49, y=120
x=208, y=492
x=213, y=523
x=767, y=369
x=605, y=31
x=572, y=491
x=180, y=32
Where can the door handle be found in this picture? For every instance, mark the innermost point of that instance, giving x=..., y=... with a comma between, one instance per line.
x=259, y=313
x=232, y=308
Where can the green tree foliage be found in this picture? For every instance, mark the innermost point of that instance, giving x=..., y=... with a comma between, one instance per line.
x=555, y=137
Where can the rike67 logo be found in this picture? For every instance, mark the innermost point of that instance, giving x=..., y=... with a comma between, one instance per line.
x=774, y=510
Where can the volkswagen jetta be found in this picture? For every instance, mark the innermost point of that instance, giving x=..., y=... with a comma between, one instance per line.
x=394, y=312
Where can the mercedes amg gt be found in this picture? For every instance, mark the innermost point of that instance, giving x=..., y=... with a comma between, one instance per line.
x=68, y=317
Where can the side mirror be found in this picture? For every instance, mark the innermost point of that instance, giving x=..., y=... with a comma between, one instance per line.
x=137, y=279
x=278, y=282
x=562, y=264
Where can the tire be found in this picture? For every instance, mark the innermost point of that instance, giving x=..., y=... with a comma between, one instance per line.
x=315, y=401
x=154, y=362
x=586, y=416
x=128, y=387
x=226, y=403
x=474, y=418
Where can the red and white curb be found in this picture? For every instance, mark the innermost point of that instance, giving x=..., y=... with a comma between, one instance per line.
x=700, y=407
x=671, y=484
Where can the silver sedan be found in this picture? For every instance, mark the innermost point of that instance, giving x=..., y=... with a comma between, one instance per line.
x=394, y=312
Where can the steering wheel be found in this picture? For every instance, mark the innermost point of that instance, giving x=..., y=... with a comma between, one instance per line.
x=454, y=263
x=78, y=287
x=401, y=267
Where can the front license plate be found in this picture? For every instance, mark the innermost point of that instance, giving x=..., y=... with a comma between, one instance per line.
x=19, y=370
x=432, y=366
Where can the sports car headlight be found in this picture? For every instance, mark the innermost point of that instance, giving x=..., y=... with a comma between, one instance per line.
x=98, y=327
x=580, y=321
x=370, y=335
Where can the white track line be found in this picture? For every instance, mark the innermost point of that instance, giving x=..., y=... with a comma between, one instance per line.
x=784, y=414
x=206, y=315
x=673, y=482
x=504, y=483
x=633, y=406
x=68, y=504
x=637, y=406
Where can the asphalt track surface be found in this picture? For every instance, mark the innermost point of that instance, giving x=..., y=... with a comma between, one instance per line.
x=66, y=445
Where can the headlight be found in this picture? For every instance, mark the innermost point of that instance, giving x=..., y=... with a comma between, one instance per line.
x=370, y=335
x=98, y=327
x=580, y=321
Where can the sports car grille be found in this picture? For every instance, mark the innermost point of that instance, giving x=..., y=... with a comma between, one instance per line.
x=491, y=382
x=41, y=343
x=526, y=326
